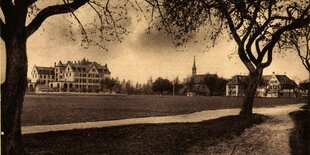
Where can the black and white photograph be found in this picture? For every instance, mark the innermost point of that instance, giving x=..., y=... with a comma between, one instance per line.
x=155, y=77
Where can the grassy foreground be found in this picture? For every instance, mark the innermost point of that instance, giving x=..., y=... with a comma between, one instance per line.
x=300, y=136
x=58, y=109
x=175, y=138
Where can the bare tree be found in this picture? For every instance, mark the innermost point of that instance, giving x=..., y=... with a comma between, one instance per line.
x=255, y=25
x=299, y=41
x=15, y=31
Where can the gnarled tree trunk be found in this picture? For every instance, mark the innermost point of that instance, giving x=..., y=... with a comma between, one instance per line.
x=254, y=79
x=12, y=93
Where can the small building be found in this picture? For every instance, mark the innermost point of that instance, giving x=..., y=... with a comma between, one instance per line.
x=237, y=86
x=304, y=88
x=42, y=75
x=269, y=86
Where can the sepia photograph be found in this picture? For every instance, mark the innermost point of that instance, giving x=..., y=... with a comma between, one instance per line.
x=155, y=77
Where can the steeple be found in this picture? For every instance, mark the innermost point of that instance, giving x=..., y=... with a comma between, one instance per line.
x=194, y=69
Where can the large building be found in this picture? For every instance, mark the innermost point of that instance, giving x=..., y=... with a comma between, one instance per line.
x=270, y=86
x=79, y=76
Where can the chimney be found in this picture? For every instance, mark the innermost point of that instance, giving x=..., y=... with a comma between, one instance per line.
x=273, y=73
x=55, y=64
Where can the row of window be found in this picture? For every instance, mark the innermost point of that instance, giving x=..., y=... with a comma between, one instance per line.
x=77, y=86
x=43, y=76
x=68, y=74
x=87, y=80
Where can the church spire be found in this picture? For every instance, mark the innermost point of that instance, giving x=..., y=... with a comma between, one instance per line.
x=194, y=69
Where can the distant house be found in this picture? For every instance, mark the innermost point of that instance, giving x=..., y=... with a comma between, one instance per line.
x=77, y=76
x=304, y=88
x=270, y=86
x=237, y=85
x=40, y=76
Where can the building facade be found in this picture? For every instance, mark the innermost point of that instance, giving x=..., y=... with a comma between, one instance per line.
x=269, y=86
x=77, y=76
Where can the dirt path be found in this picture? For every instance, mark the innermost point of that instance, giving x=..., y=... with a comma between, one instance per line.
x=279, y=111
x=271, y=137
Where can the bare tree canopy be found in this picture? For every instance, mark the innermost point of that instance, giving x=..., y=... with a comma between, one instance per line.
x=299, y=41
x=107, y=26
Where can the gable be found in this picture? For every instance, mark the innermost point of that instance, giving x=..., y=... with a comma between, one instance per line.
x=34, y=70
x=274, y=81
x=68, y=68
x=93, y=69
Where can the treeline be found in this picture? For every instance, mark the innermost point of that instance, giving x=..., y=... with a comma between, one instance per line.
x=210, y=85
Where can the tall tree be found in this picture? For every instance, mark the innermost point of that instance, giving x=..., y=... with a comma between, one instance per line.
x=255, y=25
x=108, y=83
x=161, y=85
x=15, y=32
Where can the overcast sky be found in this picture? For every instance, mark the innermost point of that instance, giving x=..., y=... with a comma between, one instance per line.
x=142, y=55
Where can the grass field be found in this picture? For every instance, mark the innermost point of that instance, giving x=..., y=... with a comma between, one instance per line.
x=57, y=109
x=175, y=138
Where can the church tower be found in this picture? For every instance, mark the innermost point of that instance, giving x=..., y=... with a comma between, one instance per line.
x=194, y=69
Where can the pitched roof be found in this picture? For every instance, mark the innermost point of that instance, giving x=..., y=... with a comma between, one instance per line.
x=200, y=78
x=286, y=82
x=238, y=80
x=45, y=70
x=85, y=66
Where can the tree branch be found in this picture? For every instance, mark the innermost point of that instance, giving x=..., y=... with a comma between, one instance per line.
x=3, y=30
x=276, y=36
x=8, y=10
x=50, y=11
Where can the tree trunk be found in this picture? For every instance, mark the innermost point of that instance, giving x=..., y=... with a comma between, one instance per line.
x=12, y=94
x=254, y=78
x=308, y=90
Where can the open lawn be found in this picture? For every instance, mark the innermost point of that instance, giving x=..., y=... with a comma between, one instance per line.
x=58, y=109
x=175, y=138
